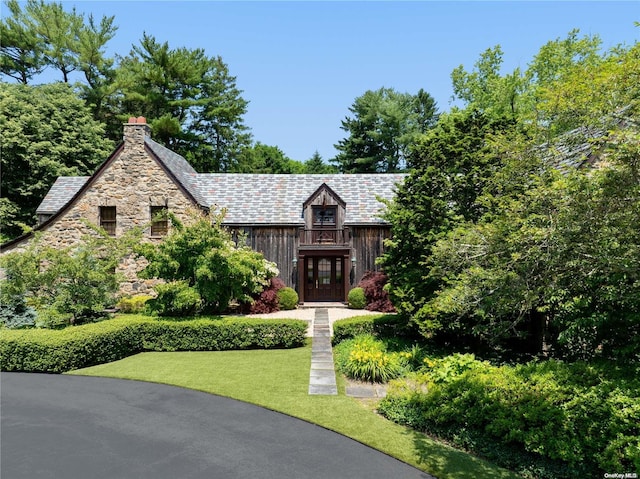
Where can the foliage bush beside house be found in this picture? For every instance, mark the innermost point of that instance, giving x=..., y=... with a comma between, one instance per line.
x=203, y=255
x=544, y=420
x=41, y=350
x=63, y=285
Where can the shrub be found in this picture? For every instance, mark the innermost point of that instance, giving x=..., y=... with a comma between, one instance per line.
x=373, y=285
x=17, y=316
x=365, y=358
x=204, y=254
x=384, y=325
x=356, y=299
x=287, y=299
x=57, y=351
x=175, y=299
x=72, y=285
x=223, y=334
x=559, y=420
x=41, y=350
x=267, y=301
x=133, y=304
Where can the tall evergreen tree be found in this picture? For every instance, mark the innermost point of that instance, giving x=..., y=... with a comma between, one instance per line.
x=192, y=102
x=381, y=130
x=315, y=165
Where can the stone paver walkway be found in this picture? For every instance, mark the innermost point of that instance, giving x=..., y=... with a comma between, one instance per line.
x=322, y=379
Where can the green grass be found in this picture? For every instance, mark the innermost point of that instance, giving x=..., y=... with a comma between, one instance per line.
x=279, y=380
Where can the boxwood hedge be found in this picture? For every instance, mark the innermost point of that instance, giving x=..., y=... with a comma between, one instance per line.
x=56, y=351
x=383, y=325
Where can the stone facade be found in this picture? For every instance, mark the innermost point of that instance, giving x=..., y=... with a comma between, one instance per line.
x=133, y=181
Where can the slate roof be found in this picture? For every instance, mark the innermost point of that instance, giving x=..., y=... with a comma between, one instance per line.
x=181, y=170
x=572, y=150
x=255, y=198
x=278, y=199
x=60, y=193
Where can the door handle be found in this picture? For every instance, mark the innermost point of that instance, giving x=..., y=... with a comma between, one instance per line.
x=316, y=284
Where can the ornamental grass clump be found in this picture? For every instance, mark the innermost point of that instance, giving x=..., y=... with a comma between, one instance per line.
x=365, y=358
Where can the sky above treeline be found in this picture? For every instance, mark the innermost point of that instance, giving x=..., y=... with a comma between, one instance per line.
x=302, y=64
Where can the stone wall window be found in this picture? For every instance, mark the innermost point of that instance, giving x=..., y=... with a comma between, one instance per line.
x=159, y=221
x=108, y=219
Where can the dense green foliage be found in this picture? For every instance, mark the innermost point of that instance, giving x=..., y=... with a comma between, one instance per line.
x=63, y=285
x=491, y=246
x=175, y=298
x=452, y=163
x=47, y=131
x=384, y=325
x=203, y=255
x=40, y=350
x=287, y=298
x=365, y=358
x=384, y=125
x=546, y=420
x=356, y=298
x=133, y=304
x=190, y=99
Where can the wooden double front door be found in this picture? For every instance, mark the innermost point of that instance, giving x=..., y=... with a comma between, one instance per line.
x=324, y=278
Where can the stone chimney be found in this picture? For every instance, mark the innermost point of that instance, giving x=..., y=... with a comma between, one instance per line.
x=135, y=131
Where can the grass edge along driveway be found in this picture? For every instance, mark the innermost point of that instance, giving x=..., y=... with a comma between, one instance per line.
x=279, y=380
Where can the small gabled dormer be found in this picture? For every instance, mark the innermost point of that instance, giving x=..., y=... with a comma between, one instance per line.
x=324, y=213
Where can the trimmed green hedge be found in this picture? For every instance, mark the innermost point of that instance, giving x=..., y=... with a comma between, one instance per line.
x=57, y=351
x=383, y=325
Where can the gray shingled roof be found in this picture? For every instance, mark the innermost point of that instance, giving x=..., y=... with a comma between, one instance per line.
x=60, y=193
x=182, y=171
x=278, y=199
x=572, y=150
x=256, y=198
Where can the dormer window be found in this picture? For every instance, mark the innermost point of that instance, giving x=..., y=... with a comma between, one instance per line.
x=324, y=216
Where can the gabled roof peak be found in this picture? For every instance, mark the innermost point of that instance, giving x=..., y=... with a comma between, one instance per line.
x=326, y=190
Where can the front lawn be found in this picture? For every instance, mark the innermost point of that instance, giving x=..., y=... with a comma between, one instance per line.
x=279, y=380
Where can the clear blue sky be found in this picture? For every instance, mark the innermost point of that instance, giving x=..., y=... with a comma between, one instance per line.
x=301, y=64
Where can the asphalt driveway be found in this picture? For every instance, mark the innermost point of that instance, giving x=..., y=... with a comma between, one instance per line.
x=56, y=426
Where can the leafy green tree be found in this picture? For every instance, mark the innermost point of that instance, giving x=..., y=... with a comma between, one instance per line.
x=486, y=90
x=261, y=158
x=558, y=264
x=44, y=34
x=58, y=31
x=518, y=94
x=451, y=166
x=381, y=130
x=47, y=131
x=204, y=255
x=191, y=101
x=315, y=165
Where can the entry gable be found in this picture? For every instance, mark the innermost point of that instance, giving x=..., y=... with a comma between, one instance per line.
x=324, y=195
x=324, y=208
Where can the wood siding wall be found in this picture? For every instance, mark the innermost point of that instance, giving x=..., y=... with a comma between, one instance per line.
x=368, y=244
x=277, y=244
x=281, y=244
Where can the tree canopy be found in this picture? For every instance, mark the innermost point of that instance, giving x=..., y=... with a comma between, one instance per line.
x=47, y=131
x=383, y=126
x=491, y=244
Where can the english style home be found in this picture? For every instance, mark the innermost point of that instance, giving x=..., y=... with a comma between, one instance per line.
x=323, y=231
